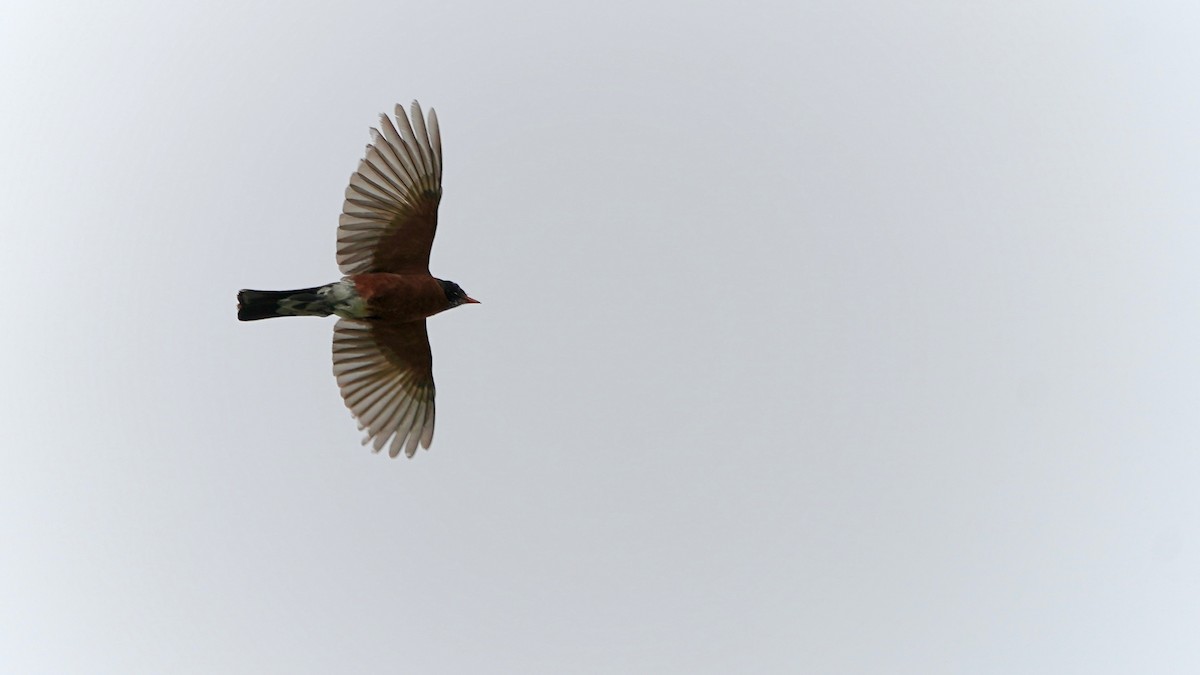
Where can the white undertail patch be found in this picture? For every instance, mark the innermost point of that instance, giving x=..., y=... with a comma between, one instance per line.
x=344, y=299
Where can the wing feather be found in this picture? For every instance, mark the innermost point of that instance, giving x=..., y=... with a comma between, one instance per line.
x=389, y=216
x=385, y=374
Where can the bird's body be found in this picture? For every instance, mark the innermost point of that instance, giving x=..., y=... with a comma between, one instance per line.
x=375, y=296
x=401, y=297
x=381, y=354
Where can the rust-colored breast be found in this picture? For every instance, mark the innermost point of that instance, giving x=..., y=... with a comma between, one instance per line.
x=401, y=297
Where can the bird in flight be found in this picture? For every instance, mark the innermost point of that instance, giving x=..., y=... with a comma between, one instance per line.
x=381, y=355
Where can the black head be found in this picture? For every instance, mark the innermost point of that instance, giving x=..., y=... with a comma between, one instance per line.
x=455, y=294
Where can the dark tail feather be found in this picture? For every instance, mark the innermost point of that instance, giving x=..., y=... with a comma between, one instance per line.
x=255, y=305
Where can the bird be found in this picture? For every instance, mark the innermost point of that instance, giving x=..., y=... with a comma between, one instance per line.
x=381, y=356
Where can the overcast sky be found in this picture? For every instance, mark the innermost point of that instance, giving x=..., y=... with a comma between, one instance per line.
x=816, y=337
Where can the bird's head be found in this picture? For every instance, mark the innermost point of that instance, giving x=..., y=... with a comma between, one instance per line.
x=455, y=294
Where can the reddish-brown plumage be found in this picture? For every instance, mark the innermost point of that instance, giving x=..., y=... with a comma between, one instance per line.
x=401, y=297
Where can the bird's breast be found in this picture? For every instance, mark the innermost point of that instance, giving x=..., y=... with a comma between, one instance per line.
x=400, y=297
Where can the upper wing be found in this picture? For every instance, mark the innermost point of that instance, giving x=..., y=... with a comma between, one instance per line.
x=390, y=214
x=385, y=373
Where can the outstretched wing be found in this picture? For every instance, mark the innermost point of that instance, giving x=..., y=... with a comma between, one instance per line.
x=390, y=214
x=385, y=373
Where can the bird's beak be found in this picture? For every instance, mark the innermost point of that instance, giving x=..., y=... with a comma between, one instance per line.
x=472, y=301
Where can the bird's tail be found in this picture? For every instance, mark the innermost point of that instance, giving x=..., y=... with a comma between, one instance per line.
x=255, y=305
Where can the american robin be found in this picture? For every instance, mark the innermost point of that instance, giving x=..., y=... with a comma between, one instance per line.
x=381, y=356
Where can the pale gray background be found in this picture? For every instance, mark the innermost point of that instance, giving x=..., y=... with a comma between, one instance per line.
x=821, y=337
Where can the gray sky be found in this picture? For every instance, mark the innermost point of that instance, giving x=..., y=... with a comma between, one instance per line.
x=817, y=337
